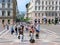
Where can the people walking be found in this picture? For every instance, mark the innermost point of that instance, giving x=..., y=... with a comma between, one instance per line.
x=20, y=36
x=32, y=40
x=16, y=30
x=19, y=30
x=12, y=29
x=26, y=27
x=37, y=31
x=7, y=26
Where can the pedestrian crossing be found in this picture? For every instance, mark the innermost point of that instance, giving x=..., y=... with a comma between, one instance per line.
x=7, y=37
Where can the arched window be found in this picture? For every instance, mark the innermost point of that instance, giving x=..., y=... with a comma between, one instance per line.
x=8, y=21
x=2, y=21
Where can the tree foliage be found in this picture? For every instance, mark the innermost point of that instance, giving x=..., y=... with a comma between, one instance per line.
x=21, y=19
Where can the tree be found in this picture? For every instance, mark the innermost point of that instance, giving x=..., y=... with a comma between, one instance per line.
x=21, y=19
x=27, y=19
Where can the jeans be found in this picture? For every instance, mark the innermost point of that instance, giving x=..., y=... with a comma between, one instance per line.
x=31, y=35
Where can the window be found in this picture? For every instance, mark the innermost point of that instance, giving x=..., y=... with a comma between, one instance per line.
x=42, y=7
x=8, y=13
x=55, y=14
x=59, y=7
x=39, y=8
x=59, y=3
x=42, y=14
x=2, y=21
x=39, y=14
x=42, y=2
x=46, y=14
x=35, y=7
x=46, y=8
x=8, y=0
x=38, y=20
x=8, y=21
x=3, y=0
x=56, y=8
x=56, y=2
x=52, y=14
x=52, y=2
x=3, y=13
x=3, y=5
x=35, y=14
x=8, y=5
x=49, y=2
x=49, y=8
x=35, y=2
x=49, y=14
x=39, y=2
x=52, y=8
x=59, y=19
x=59, y=14
x=46, y=2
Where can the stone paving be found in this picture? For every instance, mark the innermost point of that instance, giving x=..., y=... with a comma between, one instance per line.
x=8, y=39
x=46, y=38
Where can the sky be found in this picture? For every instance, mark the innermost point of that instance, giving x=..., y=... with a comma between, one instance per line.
x=21, y=4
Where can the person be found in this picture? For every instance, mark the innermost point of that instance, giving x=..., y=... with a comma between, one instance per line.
x=37, y=31
x=32, y=32
x=7, y=26
x=22, y=31
x=18, y=26
x=26, y=27
x=12, y=29
x=16, y=30
x=21, y=34
x=32, y=40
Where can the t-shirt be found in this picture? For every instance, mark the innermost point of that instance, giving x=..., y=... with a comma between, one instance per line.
x=38, y=27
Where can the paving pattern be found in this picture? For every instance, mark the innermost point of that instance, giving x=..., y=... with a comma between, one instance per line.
x=46, y=38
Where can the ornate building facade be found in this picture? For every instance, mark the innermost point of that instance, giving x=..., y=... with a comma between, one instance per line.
x=44, y=10
x=7, y=11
